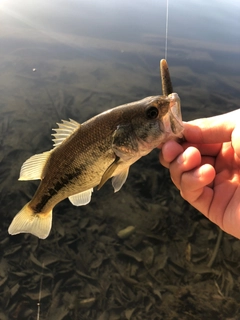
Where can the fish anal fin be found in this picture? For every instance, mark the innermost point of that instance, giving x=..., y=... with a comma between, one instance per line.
x=26, y=221
x=119, y=180
x=32, y=168
x=108, y=173
x=65, y=129
x=82, y=198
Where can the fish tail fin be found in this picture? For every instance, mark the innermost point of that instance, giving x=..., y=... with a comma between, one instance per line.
x=26, y=221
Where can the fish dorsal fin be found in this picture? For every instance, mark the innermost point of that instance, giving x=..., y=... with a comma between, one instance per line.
x=82, y=198
x=119, y=180
x=32, y=168
x=65, y=129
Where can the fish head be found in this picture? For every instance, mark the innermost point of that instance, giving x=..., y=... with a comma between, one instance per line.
x=147, y=124
x=159, y=120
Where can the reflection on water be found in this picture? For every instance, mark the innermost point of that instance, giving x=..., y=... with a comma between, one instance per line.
x=74, y=59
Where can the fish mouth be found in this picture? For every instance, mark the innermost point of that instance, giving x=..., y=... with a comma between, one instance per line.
x=172, y=121
x=175, y=113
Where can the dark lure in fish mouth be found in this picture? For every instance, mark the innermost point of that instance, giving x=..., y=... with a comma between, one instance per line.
x=175, y=109
x=86, y=155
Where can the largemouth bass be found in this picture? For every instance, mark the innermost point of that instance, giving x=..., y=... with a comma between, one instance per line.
x=87, y=155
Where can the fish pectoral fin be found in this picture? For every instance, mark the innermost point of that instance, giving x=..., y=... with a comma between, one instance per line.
x=32, y=168
x=119, y=180
x=82, y=198
x=108, y=173
x=65, y=129
x=26, y=221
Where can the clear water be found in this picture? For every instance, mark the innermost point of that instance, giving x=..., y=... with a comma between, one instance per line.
x=74, y=59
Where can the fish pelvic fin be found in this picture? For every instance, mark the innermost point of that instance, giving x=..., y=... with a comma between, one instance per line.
x=26, y=221
x=119, y=180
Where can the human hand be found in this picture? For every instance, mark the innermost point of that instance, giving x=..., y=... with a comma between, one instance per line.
x=206, y=168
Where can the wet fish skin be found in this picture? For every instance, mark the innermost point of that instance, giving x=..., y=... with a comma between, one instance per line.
x=89, y=154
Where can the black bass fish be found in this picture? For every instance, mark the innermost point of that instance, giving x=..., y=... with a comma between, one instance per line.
x=87, y=155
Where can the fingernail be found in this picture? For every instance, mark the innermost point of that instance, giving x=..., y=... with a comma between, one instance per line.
x=197, y=173
x=181, y=158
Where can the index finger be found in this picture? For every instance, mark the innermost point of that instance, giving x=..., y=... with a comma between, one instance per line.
x=206, y=149
x=216, y=129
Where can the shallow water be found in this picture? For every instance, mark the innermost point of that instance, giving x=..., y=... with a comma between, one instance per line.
x=63, y=60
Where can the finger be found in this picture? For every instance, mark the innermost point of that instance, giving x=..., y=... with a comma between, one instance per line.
x=211, y=130
x=192, y=182
x=170, y=150
x=195, y=188
x=236, y=140
x=186, y=161
x=205, y=149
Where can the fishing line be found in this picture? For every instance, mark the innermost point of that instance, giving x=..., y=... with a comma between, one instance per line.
x=40, y=294
x=166, y=35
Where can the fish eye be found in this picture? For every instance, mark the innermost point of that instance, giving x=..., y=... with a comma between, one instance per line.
x=152, y=112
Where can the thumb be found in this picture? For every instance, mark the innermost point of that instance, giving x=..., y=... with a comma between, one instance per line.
x=236, y=140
